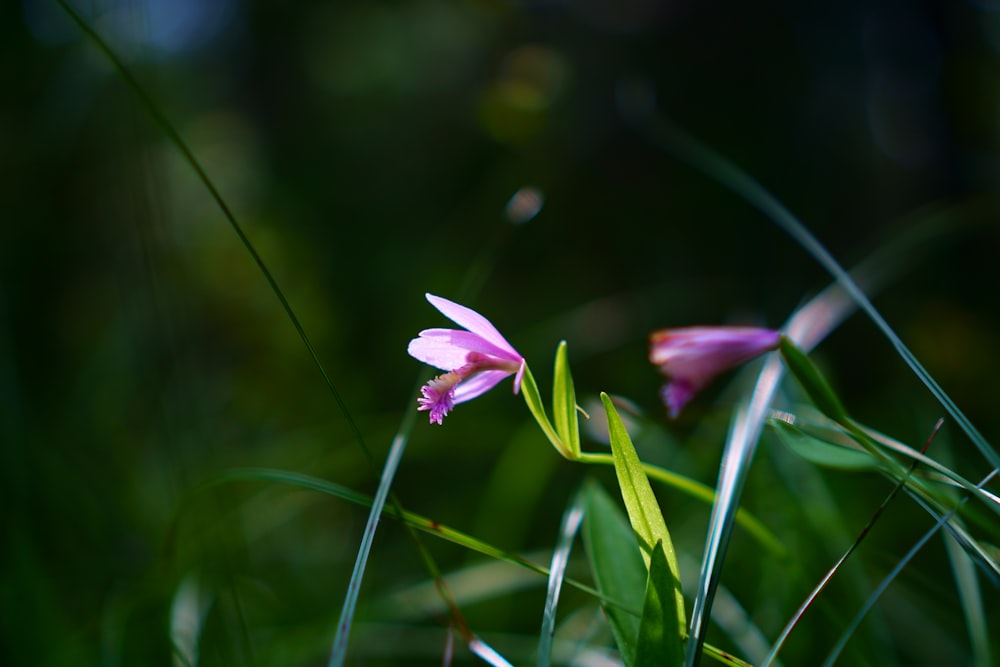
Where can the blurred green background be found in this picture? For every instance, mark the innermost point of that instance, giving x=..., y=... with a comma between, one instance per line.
x=369, y=150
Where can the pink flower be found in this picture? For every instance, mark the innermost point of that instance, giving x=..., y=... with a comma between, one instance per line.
x=475, y=359
x=691, y=357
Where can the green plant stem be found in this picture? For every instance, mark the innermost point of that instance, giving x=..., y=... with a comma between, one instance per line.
x=702, y=492
x=174, y=137
x=698, y=155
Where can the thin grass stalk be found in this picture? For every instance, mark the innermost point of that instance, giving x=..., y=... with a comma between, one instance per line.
x=963, y=568
x=338, y=652
x=807, y=327
x=696, y=154
x=942, y=521
x=572, y=519
x=737, y=456
x=410, y=519
x=477, y=270
x=703, y=492
x=174, y=137
x=797, y=616
x=701, y=157
x=483, y=650
x=987, y=563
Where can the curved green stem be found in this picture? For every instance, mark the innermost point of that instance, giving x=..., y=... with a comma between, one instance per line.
x=702, y=492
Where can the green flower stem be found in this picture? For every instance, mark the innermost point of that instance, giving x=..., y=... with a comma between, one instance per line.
x=702, y=492
x=529, y=389
x=532, y=398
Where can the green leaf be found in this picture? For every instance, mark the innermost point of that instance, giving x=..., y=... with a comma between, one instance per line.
x=616, y=564
x=534, y=402
x=823, y=449
x=659, y=642
x=640, y=502
x=703, y=493
x=570, y=525
x=564, y=403
x=335, y=490
x=815, y=385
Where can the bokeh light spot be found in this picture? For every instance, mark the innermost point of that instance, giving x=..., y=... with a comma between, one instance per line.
x=524, y=205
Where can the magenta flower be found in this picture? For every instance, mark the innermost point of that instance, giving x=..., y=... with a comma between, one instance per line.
x=691, y=357
x=475, y=359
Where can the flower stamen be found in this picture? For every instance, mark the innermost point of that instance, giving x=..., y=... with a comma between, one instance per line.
x=476, y=359
x=438, y=396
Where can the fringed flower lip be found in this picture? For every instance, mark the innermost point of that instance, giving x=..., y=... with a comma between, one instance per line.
x=691, y=357
x=475, y=359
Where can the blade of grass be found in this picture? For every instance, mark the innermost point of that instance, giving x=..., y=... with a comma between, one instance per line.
x=409, y=518
x=480, y=648
x=988, y=498
x=696, y=154
x=820, y=451
x=736, y=458
x=797, y=616
x=702, y=492
x=338, y=653
x=479, y=581
x=811, y=379
x=616, y=565
x=476, y=270
x=889, y=578
x=398, y=444
x=807, y=327
x=659, y=642
x=948, y=515
x=571, y=521
x=449, y=648
x=564, y=403
x=188, y=611
x=825, y=442
x=533, y=399
x=730, y=616
x=640, y=501
x=158, y=117
x=963, y=568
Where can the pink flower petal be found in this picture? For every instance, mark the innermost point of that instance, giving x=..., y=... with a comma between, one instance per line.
x=519, y=376
x=676, y=395
x=448, y=349
x=703, y=352
x=476, y=359
x=478, y=384
x=691, y=357
x=474, y=322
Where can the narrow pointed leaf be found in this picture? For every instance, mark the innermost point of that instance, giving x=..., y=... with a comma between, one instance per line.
x=659, y=642
x=564, y=403
x=964, y=570
x=487, y=653
x=701, y=492
x=812, y=381
x=640, y=502
x=943, y=521
x=422, y=523
x=338, y=652
x=616, y=565
x=737, y=456
x=820, y=451
x=729, y=175
x=529, y=389
x=560, y=559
